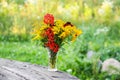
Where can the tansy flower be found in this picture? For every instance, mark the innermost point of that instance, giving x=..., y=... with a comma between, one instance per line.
x=49, y=19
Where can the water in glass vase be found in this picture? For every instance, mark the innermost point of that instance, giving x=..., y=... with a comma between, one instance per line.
x=52, y=61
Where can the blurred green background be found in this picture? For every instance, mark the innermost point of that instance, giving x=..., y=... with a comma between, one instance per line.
x=98, y=19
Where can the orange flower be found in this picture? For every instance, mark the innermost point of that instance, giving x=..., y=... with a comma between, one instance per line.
x=49, y=19
x=52, y=46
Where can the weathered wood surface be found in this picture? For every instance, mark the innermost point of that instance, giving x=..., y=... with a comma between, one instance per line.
x=15, y=70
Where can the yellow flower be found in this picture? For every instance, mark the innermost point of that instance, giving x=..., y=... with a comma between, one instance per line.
x=43, y=27
x=56, y=29
x=59, y=23
x=66, y=32
x=67, y=29
x=77, y=33
x=63, y=35
x=58, y=26
x=38, y=32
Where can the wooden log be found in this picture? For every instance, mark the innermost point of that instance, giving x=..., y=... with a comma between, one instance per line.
x=15, y=70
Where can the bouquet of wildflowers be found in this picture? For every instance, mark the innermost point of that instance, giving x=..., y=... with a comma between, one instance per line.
x=53, y=33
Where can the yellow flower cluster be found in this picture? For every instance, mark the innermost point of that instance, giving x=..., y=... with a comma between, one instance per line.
x=39, y=31
x=58, y=26
x=66, y=29
x=60, y=29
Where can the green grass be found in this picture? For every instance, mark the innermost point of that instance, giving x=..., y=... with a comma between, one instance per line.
x=36, y=54
x=71, y=59
x=23, y=51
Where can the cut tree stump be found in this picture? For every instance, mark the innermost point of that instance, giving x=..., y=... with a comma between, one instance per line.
x=15, y=70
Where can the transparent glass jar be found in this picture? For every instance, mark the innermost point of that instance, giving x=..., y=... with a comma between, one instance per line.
x=52, y=61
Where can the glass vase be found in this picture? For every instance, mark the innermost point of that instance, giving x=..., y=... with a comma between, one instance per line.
x=52, y=61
